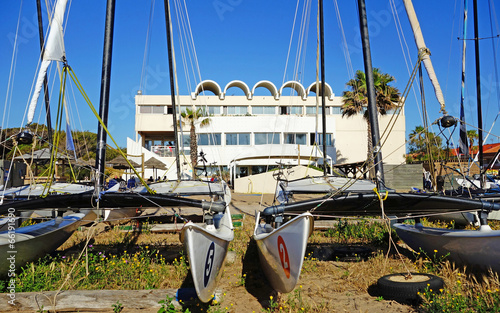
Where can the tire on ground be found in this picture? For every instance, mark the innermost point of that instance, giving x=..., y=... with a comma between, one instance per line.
x=396, y=286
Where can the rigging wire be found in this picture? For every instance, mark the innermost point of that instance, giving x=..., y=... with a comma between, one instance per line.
x=8, y=94
x=290, y=44
x=404, y=49
x=145, y=58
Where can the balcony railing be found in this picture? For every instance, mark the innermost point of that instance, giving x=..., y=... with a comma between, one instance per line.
x=167, y=151
x=164, y=151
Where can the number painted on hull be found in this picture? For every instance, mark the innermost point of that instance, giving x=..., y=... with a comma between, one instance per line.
x=209, y=263
x=285, y=262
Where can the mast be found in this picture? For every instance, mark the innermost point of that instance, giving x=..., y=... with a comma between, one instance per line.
x=478, y=93
x=370, y=86
x=104, y=98
x=172, y=90
x=45, y=87
x=463, y=142
x=323, y=109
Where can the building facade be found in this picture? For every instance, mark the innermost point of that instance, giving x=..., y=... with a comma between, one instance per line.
x=247, y=133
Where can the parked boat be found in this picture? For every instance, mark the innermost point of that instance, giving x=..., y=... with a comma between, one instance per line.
x=189, y=188
x=395, y=203
x=472, y=248
x=206, y=248
x=29, y=243
x=321, y=185
x=282, y=247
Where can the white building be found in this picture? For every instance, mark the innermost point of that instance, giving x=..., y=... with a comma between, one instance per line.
x=248, y=132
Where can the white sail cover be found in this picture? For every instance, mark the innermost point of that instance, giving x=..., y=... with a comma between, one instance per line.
x=419, y=40
x=53, y=51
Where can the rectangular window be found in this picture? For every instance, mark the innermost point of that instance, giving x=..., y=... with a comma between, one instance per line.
x=152, y=109
x=296, y=110
x=213, y=110
x=209, y=139
x=267, y=138
x=295, y=138
x=244, y=139
x=286, y=110
x=236, y=110
x=270, y=110
x=238, y=139
x=392, y=111
x=329, y=141
x=300, y=139
x=145, y=109
x=336, y=110
x=312, y=110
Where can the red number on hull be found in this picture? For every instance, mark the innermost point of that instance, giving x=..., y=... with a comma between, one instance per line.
x=285, y=263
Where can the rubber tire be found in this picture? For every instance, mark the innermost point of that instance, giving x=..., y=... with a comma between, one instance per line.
x=393, y=288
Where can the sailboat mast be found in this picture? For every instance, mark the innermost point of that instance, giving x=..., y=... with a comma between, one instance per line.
x=172, y=90
x=370, y=86
x=463, y=142
x=322, y=57
x=104, y=98
x=45, y=87
x=478, y=92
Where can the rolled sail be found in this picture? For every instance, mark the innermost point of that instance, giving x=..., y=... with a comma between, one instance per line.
x=419, y=40
x=53, y=51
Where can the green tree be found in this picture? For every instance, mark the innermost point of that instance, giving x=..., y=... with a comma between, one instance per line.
x=421, y=143
x=355, y=100
x=192, y=118
x=472, y=136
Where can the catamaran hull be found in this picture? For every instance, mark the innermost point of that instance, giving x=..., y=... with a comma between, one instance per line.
x=322, y=184
x=400, y=204
x=474, y=248
x=35, y=241
x=107, y=200
x=282, y=250
x=206, y=248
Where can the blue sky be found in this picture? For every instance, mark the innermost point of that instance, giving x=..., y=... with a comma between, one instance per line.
x=248, y=41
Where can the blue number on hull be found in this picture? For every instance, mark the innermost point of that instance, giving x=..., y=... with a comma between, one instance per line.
x=209, y=263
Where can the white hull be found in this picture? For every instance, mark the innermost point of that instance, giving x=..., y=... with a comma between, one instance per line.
x=189, y=187
x=38, y=189
x=282, y=250
x=474, y=248
x=119, y=215
x=35, y=241
x=461, y=219
x=206, y=248
x=327, y=184
x=476, y=183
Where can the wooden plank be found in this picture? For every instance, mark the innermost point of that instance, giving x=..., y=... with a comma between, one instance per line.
x=169, y=228
x=89, y=300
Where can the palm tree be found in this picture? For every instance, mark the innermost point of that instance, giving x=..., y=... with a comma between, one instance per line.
x=472, y=135
x=193, y=117
x=355, y=100
x=416, y=140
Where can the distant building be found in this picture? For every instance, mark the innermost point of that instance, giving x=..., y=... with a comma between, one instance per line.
x=249, y=132
x=489, y=154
